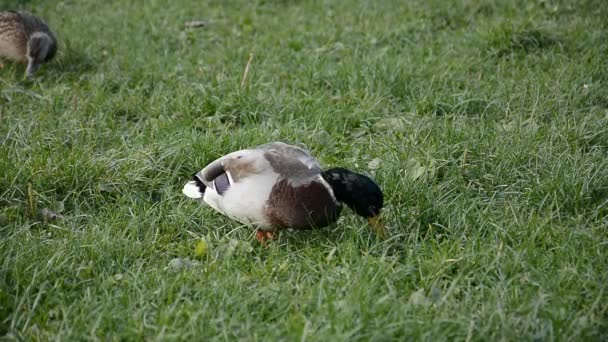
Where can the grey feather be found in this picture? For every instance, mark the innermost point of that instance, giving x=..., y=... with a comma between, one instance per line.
x=291, y=162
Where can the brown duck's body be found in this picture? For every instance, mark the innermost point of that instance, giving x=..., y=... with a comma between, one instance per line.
x=25, y=38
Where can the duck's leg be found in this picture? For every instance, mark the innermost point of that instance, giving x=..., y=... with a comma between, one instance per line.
x=263, y=235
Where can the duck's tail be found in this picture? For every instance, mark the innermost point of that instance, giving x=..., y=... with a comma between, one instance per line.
x=195, y=188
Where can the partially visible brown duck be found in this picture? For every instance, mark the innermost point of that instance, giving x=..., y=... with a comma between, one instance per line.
x=27, y=39
x=276, y=185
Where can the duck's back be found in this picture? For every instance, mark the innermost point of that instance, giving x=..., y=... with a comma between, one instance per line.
x=13, y=36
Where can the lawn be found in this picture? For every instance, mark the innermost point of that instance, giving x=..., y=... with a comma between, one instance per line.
x=484, y=122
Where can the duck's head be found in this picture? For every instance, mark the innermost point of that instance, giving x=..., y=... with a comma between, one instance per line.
x=360, y=193
x=41, y=48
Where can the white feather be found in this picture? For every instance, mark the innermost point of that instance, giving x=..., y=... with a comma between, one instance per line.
x=244, y=201
x=321, y=180
x=191, y=190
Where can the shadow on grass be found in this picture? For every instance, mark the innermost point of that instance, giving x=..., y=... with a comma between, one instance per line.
x=73, y=61
x=506, y=41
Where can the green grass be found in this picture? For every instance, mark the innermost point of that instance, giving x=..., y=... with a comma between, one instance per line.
x=485, y=123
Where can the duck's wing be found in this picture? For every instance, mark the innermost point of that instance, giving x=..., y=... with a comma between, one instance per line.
x=212, y=176
x=211, y=172
x=290, y=162
x=223, y=172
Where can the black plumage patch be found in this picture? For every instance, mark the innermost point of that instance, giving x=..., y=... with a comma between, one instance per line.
x=357, y=191
x=201, y=186
x=221, y=183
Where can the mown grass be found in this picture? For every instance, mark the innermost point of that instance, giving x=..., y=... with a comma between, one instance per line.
x=485, y=122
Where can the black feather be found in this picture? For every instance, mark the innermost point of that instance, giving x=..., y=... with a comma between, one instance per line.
x=201, y=186
x=357, y=191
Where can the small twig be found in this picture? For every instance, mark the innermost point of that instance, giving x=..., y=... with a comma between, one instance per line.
x=195, y=24
x=246, y=72
x=75, y=103
x=30, y=209
x=464, y=157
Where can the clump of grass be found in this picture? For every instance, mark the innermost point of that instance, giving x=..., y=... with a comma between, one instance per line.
x=507, y=40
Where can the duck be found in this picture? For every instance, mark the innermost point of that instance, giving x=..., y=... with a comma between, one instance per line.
x=278, y=186
x=25, y=38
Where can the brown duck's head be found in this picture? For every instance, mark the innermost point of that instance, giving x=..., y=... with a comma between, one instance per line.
x=360, y=193
x=41, y=48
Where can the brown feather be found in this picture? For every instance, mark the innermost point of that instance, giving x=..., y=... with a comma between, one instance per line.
x=240, y=168
x=16, y=28
x=301, y=207
x=13, y=37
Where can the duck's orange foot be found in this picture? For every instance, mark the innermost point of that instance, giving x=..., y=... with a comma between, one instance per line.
x=263, y=235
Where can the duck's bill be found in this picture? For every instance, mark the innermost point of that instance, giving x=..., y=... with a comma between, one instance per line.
x=378, y=226
x=31, y=68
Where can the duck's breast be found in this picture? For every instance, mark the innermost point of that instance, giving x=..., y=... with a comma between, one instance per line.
x=303, y=206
